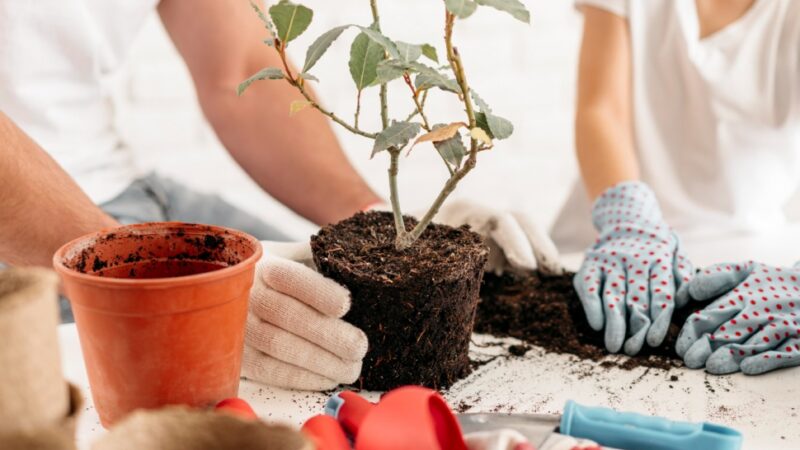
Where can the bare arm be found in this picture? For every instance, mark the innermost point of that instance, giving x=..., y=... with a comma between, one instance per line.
x=41, y=207
x=296, y=159
x=603, y=122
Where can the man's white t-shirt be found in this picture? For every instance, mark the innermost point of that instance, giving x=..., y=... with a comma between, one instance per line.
x=57, y=60
x=716, y=120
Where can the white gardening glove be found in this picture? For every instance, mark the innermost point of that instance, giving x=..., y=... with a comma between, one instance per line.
x=515, y=242
x=295, y=337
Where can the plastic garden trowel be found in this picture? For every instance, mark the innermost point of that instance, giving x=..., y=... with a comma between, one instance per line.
x=410, y=417
x=609, y=428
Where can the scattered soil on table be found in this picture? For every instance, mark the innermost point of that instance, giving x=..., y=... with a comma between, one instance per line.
x=546, y=311
x=417, y=306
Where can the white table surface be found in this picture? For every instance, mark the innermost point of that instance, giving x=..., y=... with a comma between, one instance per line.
x=765, y=408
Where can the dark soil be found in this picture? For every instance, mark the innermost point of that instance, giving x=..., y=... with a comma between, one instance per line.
x=417, y=306
x=545, y=311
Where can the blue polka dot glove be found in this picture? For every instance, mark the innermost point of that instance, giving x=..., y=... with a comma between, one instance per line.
x=751, y=326
x=630, y=276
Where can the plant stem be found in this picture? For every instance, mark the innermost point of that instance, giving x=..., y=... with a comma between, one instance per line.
x=455, y=63
x=458, y=69
x=394, y=196
x=415, y=97
x=301, y=88
x=413, y=113
x=376, y=22
x=358, y=108
x=331, y=115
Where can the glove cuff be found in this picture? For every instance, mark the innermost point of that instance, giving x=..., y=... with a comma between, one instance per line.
x=626, y=202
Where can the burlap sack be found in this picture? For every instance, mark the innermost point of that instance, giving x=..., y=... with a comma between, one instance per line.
x=181, y=428
x=57, y=436
x=33, y=394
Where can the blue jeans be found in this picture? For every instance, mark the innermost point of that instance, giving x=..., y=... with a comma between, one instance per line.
x=157, y=199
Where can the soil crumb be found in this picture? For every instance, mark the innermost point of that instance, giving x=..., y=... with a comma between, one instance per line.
x=545, y=311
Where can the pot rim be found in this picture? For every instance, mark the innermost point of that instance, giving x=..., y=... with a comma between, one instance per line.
x=145, y=283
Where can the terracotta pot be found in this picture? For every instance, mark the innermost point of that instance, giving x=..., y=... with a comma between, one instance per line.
x=160, y=310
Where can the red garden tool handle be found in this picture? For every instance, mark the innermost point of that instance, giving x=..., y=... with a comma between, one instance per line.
x=326, y=433
x=405, y=418
x=237, y=407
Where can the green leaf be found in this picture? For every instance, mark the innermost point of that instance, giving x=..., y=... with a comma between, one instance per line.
x=383, y=41
x=429, y=52
x=482, y=123
x=321, y=45
x=479, y=101
x=396, y=135
x=408, y=52
x=452, y=150
x=513, y=7
x=266, y=22
x=496, y=126
x=501, y=128
x=431, y=78
x=365, y=54
x=290, y=19
x=307, y=76
x=461, y=8
x=390, y=70
x=270, y=73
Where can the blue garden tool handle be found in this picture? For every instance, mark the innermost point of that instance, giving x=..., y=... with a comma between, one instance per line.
x=631, y=431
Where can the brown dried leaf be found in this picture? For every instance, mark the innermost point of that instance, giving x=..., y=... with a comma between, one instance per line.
x=442, y=133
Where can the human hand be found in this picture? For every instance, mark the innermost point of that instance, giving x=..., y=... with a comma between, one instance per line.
x=295, y=337
x=633, y=271
x=515, y=242
x=751, y=325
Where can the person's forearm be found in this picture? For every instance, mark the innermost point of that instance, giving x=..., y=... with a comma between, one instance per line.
x=605, y=152
x=41, y=207
x=603, y=120
x=297, y=159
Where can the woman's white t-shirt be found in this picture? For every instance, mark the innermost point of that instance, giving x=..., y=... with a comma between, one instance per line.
x=716, y=120
x=57, y=61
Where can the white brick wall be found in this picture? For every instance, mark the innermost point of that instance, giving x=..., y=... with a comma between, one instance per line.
x=526, y=73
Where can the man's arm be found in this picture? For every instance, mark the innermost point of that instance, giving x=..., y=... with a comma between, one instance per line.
x=296, y=159
x=603, y=123
x=41, y=207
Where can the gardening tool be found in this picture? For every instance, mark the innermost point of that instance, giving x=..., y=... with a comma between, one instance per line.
x=237, y=407
x=326, y=433
x=407, y=417
x=609, y=428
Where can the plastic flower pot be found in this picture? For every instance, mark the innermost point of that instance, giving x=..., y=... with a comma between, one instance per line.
x=160, y=310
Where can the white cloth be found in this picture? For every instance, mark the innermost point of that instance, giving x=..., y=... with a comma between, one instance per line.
x=58, y=61
x=295, y=337
x=716, y=120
